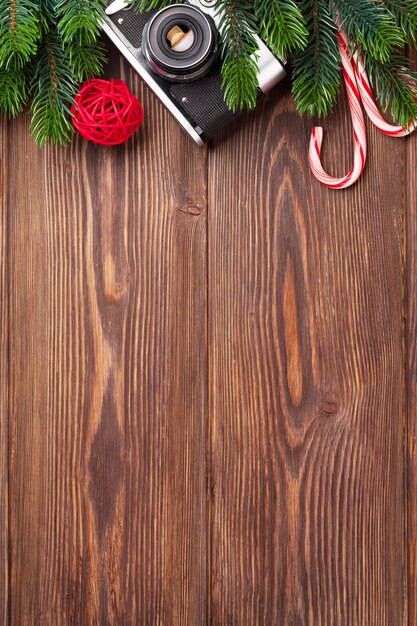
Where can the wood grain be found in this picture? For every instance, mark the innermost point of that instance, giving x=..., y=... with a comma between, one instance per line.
x=306, y=379
x=109, y=379
x=203, y=369
x=410, y=304
x=4, y=355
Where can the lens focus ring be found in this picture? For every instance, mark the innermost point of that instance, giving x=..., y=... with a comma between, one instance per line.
x=180, y=43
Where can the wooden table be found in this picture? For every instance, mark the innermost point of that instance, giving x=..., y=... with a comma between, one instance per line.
x=208, y=378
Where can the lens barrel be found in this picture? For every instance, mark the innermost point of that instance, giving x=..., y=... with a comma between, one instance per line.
x=177, y=64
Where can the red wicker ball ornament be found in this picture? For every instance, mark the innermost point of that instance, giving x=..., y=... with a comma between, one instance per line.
x=105, y=112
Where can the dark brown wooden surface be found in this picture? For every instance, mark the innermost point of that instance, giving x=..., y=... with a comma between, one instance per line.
x=108, y=380
x=4, y=331
x=307, y=382
x=410, y=316
x=208, y=378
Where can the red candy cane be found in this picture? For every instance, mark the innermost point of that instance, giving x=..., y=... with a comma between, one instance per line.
x=358, y=90
x=370, y=106
x=358, y=131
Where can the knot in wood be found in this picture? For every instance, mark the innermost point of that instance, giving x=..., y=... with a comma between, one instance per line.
x=329, y=402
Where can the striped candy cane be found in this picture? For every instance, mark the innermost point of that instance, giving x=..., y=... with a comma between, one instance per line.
x=358, y=90
x=370, y=106
x=359, y=131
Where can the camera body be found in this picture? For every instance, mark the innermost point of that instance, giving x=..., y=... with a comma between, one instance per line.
x=175, y=51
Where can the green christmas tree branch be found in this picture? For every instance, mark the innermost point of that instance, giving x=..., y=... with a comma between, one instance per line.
x=395, y=84
x=85, y=59
x=368, y=27
x=46, y=49
x=14, y=90
x=142, y=6
x=281, y=25
x=79, y=20
x=405, y=15
x=316, y=69
x=53, y=89
x=239, y=47
x=19, y=32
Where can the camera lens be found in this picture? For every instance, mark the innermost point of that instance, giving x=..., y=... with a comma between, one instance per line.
x=180, y=43
x=181, y=39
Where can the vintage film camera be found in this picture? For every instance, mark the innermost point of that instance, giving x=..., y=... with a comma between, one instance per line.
x=175, y=51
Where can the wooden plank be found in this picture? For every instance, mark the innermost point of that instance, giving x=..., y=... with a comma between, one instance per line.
x=108, y=378
x=4, y=324
x=410, y=200
x=306, y=378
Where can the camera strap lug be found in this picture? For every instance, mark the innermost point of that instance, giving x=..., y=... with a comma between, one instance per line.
x=116, y=6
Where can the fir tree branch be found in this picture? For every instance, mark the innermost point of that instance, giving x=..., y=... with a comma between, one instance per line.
x=53, y=89
x=395, y=86
x=79, y=28
x=85, y=60
x=368, y=27
x=47, y=14
x=142, y=6
x=240, y=67
x=405, y=15
x=14, y=90
x=19, y=31
x=281, y=26
x=316, y=70
x=79, y=20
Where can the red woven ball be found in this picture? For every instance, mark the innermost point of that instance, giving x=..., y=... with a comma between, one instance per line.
x=105, y=112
